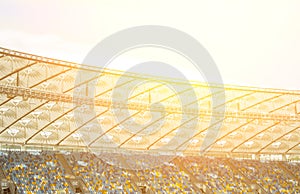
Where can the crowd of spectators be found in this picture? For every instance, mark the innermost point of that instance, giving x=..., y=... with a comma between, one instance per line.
x=217, y=175
x=36, y=172
x=100, y=177
x=167, y=178
x=42, y=172
x=269, y=175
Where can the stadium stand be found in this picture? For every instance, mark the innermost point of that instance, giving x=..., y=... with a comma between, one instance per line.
x=41, y=172
x=36, y=172
x=218, y=176
x=48, y=133
x=100, y=176
x=269, y=175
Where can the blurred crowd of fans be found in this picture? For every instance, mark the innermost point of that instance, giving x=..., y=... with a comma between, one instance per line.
x=42, y=172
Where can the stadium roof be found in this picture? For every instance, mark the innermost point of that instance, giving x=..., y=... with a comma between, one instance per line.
x=38, y=109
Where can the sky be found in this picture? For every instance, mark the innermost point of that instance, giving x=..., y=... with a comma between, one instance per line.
x=253, y=42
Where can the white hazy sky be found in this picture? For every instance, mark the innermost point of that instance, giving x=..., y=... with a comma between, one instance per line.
x=253, y=42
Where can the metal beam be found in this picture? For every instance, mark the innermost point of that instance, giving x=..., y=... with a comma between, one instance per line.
x=237, y=128
x=50, y=77
x=150, y=89
x=182, y=124
x=195, y=135
x=48, y=100
x=247, y=139
x=297, y=144
x=158, y=118
x=237, y=98
x=281, y=107
x=259, y=132
x=139, y=131
x=177, y=93
x=260, y=102
x=75, y=130
x=72, y=109
x=202, y=98
x=18, y=70
x=32, y=110
x=276, y=139
x=112, y=128
x=48, y=124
